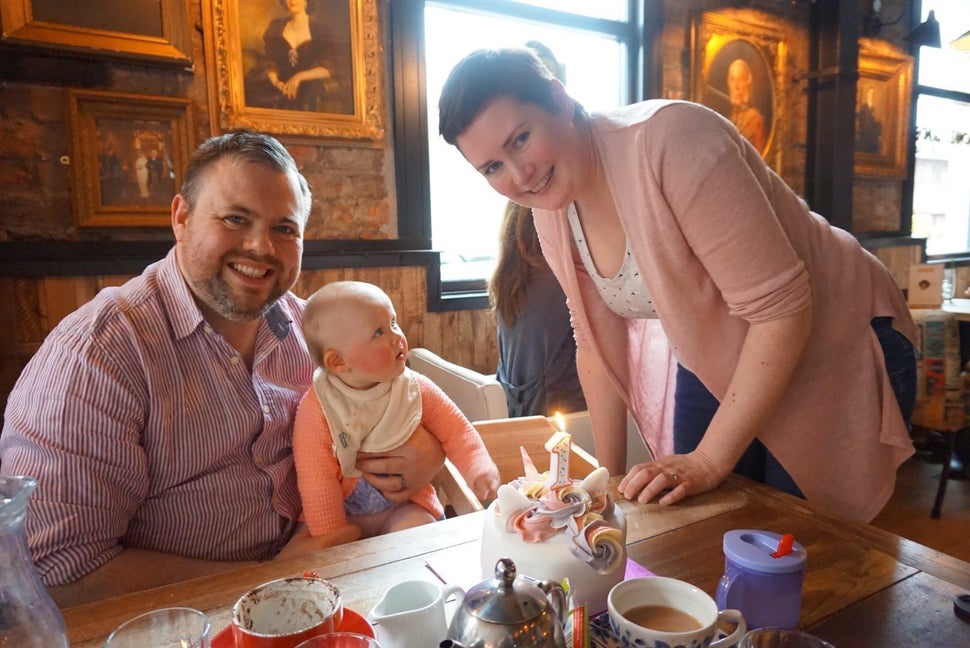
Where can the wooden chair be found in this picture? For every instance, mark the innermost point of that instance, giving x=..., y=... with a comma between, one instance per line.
x=942, y=391
x=502, y=438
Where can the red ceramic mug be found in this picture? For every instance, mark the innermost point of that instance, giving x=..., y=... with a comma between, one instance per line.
x=285, y=612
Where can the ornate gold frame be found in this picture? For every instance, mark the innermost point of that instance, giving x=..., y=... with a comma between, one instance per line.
x=228, y=109
x=715, y=39
x=20, y=27
x=94, y=117
x=887, y=74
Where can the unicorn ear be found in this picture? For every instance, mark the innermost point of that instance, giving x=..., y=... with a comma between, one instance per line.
x=511, y=500
x=596, y=481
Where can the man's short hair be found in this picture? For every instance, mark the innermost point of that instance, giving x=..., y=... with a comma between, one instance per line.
x=246, y=146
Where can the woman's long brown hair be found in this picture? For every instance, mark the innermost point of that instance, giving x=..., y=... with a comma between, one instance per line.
x=519, y=253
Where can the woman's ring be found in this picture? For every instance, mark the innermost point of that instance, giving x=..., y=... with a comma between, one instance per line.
x=674, y=476
x=403, y=484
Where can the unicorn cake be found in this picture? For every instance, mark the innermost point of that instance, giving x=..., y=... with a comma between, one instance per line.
x=555, y=528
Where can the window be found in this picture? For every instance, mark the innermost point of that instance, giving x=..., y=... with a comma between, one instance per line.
x=600, y=45
x=941, y=195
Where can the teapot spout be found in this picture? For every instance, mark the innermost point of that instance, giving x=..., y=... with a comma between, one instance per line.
x=450, y=643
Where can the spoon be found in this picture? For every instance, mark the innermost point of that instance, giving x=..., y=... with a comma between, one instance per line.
x=961, y=606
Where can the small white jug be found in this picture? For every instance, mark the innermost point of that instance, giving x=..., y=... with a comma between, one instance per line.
x=412, y=614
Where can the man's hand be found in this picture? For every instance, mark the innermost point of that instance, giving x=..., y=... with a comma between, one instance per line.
x=405, y=470
x=303, y=543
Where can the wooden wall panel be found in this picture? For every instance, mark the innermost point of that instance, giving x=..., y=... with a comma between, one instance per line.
x=31, y=308
x=898, y=259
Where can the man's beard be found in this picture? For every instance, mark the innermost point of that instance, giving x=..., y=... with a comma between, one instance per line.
x=219, y=298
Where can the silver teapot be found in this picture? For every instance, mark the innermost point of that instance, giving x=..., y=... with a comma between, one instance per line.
x=509, y=612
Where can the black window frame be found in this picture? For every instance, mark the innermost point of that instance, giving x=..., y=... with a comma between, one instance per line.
x=410, y=136
x=906, y=218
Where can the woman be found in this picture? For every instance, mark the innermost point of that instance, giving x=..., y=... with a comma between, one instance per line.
x=299, y=69
x=661, y=217
x=537, y=352
x=536, y=349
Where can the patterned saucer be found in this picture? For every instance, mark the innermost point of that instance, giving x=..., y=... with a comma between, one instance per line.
x=602, y=636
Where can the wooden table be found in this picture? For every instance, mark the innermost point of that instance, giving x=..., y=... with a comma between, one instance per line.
x=863, y=586
x=959, y=307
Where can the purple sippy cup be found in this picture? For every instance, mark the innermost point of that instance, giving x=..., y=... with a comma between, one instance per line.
x=767, y=590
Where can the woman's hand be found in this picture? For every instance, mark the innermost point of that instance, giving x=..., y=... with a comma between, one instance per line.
x=405, y=470
x=291, y=87
x=681, y=475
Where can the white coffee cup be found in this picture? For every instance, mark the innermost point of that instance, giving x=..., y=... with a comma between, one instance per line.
x=661, y=603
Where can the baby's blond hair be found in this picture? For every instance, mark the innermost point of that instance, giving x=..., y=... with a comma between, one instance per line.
x=331, y=310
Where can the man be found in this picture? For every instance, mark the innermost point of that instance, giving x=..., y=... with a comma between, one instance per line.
x=157, y=418
x=748, y=119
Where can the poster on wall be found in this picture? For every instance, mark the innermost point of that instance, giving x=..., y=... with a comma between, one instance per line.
x=738, y=69
x=309, y=67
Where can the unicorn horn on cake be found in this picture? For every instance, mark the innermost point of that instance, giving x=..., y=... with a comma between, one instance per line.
x=530, y=468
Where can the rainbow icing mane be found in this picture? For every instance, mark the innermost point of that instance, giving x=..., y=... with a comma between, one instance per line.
x=540, y=505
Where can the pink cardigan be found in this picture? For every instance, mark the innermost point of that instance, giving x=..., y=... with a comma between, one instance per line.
x=322, y=485
x=721, y=242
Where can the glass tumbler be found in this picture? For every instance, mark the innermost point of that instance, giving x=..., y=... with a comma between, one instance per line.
x=176, y=627
x=781, y=638
x=340, y=640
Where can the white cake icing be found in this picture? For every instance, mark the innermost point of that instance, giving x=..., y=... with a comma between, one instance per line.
x=551, y=532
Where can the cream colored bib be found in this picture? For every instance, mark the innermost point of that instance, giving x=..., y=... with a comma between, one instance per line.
x=372, y=420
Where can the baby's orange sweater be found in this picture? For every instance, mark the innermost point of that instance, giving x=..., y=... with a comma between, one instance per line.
x=322, y=485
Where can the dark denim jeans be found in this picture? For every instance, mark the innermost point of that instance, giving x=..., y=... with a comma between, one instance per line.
x=694, y=407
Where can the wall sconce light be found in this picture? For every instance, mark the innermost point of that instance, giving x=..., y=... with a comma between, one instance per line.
x=873, y=22
x=926, y=33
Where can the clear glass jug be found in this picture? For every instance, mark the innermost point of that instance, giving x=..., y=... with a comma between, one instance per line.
x=28, y=616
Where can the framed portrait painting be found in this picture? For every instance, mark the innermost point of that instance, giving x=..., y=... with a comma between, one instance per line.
x=150, y=30
x=882, y=110
x=128, y=156
x=738, y=69
x=304, y=67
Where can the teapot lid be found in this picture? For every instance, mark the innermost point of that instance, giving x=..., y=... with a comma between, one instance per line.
x=505, y=600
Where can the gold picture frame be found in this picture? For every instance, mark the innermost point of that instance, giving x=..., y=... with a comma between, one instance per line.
x=255, y=72
x=128, y=157
x=159, y=31
x=882, y=110
x=723, y=47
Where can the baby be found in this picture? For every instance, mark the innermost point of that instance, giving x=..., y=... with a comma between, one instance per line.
x=364, y=398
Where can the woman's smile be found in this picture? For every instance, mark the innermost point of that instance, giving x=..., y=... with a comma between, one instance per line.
x=543, y=182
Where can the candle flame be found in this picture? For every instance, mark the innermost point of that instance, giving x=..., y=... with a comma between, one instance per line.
x=560, y=422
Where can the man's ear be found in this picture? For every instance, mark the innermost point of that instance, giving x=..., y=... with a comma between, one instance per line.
x=180, y=214
x=334, y=362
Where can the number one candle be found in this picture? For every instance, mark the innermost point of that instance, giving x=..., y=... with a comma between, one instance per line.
x=558, y=447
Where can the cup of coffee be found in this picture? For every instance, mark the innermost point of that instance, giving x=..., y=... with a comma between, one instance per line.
x=654, y=611
x=285, y=612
